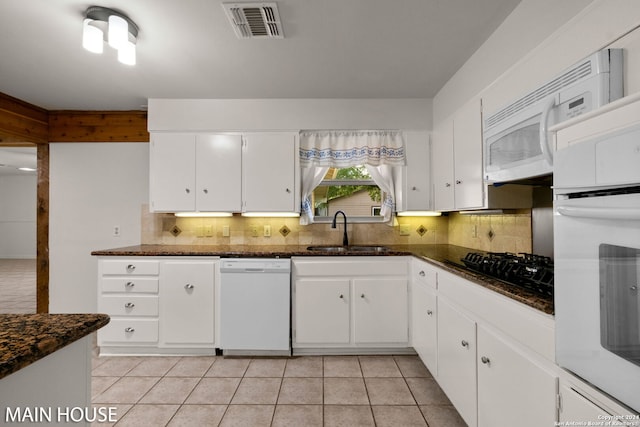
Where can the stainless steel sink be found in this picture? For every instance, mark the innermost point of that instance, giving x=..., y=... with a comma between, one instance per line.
x=351, y=248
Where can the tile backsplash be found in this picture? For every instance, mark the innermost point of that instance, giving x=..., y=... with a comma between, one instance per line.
x=486, y=232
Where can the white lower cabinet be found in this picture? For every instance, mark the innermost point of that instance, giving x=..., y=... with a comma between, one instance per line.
x=513, y=389
x=457, y=359
x=322, y=308
x=492, y=356
x=186, y=303
x=424, y=313
x=350, y=302
x=157, y=305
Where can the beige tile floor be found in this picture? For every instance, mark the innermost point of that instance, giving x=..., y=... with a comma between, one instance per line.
x=298, y=391
x=327, y=391
x=17, y=286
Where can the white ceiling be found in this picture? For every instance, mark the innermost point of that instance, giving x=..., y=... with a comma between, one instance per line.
x=187, y=49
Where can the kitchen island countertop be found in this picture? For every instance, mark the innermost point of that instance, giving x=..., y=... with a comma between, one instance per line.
x=444, y=256
x=27, y=338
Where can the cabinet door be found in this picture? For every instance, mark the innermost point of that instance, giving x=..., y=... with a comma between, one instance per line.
x=186, y=303
x=467, y=137
x=424, y=325
x=457, y=360
x=268, y=172
x=172, y=172
x=380, y=311
x=443, y=166
x=321, y=311
x=218, y=173
x=512, y=388
x=418, y=172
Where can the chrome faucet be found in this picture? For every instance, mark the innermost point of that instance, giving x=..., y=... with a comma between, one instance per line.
x=345, y=238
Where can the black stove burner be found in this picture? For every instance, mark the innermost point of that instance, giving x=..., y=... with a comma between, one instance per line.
x=533, y=272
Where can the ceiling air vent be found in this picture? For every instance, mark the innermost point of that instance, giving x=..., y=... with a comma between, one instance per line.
x=254, y=20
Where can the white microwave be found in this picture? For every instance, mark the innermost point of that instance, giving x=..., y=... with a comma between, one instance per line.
x=516, y=143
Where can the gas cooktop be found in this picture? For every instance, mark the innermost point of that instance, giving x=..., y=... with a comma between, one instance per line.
x=529, y=271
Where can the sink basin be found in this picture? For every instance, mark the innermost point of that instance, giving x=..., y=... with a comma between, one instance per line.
x=352, y=248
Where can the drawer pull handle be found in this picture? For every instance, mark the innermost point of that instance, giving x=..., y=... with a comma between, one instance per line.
x=188, y=286
x=485, y=360
x=447, y=184
x=362, y=296
x=129, y=329
x=465, y=343
x=186, y=190
x=458, y=181
x=130, y=268
x=288, y=191
x=205, y=191
x=414, y=188
x=130, y=284
x=129, y=305
x=341, y=296
x=429, y=313
x=422, y=273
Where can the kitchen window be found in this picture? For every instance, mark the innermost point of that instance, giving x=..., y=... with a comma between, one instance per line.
x=351, y=190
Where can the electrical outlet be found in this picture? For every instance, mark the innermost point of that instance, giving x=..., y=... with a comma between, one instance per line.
x=116, y=231
x=254, y=231
x=405, y=230
x=267, y=231
x=208, y=230
x=225, y=231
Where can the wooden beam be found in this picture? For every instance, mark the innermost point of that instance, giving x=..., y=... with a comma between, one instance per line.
x=98, y=126
x=21, y=122
x=42, y=231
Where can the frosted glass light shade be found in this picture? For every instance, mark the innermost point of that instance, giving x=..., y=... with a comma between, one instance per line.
x=118, y=32
x=92, y=37
x=127, y=54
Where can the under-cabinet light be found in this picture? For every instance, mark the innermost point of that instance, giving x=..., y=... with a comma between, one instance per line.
x=483, y=212
x=272, y=214
x=419, y=213
x=202, y=214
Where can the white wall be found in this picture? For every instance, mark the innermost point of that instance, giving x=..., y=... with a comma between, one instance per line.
x=93, y=187
x=18, y=199
x=288, y=114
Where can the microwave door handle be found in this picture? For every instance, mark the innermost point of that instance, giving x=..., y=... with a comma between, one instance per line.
x=629, y=214
x=544, y=134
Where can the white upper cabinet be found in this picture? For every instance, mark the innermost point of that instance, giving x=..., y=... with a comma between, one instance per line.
x=218, y=163
x=172, y=173
x=457, y=160
x=416, y=190
x=467, y=154
x=270, y=172
x=256, y=172
x=190, y=172
x=443, y=166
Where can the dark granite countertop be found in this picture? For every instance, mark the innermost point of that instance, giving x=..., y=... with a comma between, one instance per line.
x=27, y=338
x=445, y=256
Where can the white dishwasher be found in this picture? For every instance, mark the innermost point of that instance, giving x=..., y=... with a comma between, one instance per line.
x=255, y=306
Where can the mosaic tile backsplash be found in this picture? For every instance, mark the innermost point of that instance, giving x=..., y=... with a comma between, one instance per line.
x=509, y=232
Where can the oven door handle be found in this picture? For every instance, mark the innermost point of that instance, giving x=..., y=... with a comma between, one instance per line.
x=632, y=214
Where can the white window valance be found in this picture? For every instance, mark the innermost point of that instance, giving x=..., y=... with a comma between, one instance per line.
x=351, y=148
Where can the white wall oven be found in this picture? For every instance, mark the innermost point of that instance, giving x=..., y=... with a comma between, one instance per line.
x=597, y=252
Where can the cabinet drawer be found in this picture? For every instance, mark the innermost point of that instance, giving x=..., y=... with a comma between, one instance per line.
x=352, y=266
x=130, y=267
x=130, y=284
x=132, y=305
x=129, y=331
x=424, y=273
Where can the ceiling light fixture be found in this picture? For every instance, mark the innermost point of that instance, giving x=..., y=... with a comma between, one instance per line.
x=121, y=33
